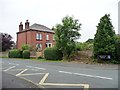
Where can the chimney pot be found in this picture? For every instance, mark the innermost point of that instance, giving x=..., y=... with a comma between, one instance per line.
x=26, y=25
x=20, y=23
x=20, y=27
x=27, y=20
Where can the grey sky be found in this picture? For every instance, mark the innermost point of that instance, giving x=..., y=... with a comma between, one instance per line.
x=50, y=12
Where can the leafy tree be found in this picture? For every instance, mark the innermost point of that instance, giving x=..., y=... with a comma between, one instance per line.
x=65, y=35
x=117, y=49
x=5, y=41
x=84, y=46
x=104, y=41
x=90, y=41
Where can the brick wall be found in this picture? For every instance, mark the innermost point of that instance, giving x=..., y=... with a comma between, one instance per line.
x=29, y=37
x=21, y=39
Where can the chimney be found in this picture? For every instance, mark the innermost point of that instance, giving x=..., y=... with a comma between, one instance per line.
x=20, y=27
x=26, y=25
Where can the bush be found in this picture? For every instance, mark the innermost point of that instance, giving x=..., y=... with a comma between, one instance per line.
x=14, y=53
x=52, y=54
x=40, y=57
x=26, y=54
x=84, y=46
x=26, y=47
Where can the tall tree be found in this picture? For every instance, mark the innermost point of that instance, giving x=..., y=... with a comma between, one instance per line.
x=104, y=41
x=117, y=49
x=65, y=35
x=5, y=41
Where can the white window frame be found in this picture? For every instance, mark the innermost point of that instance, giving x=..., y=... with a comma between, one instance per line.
x=39, y=36
x=47, y=44
x=47, y=37
x=53, y=37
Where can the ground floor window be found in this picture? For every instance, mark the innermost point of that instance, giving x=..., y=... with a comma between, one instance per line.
x=39, y=46
x=48, y=44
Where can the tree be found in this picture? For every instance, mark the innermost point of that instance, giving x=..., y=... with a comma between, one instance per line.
x=6, y=41
x=104, y=41
x=90, y=41
x=65, y=35
x=117, y=49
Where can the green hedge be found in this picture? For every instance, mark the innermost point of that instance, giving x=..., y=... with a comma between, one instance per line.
x=52, y=54
x=14, y=53
x=26, y=54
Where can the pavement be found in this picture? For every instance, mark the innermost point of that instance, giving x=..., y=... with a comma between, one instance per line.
x=60, y=74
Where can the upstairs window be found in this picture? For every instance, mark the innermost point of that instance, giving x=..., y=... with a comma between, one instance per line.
x=53, y=37
x=39, y=36
x=47, y=37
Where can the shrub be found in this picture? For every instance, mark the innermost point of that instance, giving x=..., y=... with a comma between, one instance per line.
x=26, y=47
x=40, y=57
x=15, y=53
x=52, y=54
x=84, y=46
x=26, y=54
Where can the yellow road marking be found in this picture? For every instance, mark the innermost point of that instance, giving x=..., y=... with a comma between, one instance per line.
x=61, y=84
x=31, y=82
x=9, y=68
x=31, y=74
x=44, y=78
x=21, y=72
x=86, y=86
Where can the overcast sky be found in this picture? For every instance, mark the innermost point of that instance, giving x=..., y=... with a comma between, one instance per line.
x=50, y=12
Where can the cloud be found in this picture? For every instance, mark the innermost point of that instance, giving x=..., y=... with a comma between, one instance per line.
x=50, y=12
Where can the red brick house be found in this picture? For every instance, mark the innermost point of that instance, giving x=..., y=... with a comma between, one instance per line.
x=36, y=35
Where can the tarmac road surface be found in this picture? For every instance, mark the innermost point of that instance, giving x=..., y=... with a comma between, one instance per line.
x=61, y=74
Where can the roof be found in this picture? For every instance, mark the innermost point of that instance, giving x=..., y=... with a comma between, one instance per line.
x=39, y=27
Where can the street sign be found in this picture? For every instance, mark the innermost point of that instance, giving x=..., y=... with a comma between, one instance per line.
x=104, y=57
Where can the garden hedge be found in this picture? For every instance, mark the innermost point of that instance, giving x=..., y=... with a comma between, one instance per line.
x=26, y=54
x=52, y=54
x=15, y=53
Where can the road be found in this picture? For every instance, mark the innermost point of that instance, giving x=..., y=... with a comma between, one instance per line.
x=63, y=74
